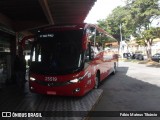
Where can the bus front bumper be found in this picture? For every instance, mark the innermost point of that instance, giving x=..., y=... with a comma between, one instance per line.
x=74, y=89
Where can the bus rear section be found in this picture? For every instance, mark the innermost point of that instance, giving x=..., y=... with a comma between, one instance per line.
x=63, y=62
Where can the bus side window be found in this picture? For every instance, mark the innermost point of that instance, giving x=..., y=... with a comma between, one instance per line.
x=87, y=55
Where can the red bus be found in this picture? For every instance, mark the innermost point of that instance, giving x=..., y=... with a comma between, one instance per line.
x=70, y=60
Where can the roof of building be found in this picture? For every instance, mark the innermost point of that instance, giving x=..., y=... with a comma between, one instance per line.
x=28, y=14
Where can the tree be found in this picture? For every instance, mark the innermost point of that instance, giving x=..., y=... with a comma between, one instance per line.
x=148, y=36
x=112, y=23
x=143, y=12
x=136, y=18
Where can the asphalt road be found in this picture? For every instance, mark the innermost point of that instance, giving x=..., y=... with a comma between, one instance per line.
x=135, y=87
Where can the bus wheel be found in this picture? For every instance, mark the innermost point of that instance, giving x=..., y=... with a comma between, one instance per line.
x=114, y=69
x=96, y=81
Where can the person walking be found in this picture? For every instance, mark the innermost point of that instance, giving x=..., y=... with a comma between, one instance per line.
x=20, y=70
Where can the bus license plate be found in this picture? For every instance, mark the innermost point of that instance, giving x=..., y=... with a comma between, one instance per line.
x=51, y=92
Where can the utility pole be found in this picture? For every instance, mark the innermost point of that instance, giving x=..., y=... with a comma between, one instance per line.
x=120, y=26
x=121, y=47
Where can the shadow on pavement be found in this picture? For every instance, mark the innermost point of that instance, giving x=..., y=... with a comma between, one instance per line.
x=124, y=93
x=154, y=65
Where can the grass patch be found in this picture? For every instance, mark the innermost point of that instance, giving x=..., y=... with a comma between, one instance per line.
x=153, y=64
x=128, y=60
x=149, y=63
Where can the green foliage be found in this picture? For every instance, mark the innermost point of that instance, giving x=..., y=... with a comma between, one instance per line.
x=112, y=23
x=103, y=24
x=144, y=12
x=157, y=30
x=149, y=34
x=141, y=42
x=136, y=18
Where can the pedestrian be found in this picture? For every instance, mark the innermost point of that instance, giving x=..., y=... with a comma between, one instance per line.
x=23, y=68
x=20, y=70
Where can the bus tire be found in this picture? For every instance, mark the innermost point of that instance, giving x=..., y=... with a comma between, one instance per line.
x=97, y=79
x=114, y=69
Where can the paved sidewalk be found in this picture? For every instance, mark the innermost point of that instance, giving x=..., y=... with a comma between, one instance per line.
x=16, y=100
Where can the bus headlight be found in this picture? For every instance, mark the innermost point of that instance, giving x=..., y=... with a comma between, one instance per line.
x=74, y=80
x=32, y=79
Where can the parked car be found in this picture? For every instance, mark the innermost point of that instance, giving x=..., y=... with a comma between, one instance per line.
x=156, y=57
x=126, y=55
x=137, y=56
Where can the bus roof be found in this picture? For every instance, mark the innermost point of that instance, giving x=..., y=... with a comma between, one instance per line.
x=64, y=27
x=73, y=27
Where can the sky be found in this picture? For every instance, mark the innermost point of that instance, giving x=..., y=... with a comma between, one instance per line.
x=102, y=9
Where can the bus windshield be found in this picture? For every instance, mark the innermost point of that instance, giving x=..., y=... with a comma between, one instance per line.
x=57, y=52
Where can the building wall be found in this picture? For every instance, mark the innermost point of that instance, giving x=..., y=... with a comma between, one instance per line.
x=134, y=47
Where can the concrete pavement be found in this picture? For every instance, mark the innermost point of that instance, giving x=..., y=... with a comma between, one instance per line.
x=135, y=87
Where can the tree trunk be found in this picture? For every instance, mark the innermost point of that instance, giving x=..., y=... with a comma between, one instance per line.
x=148, y=48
